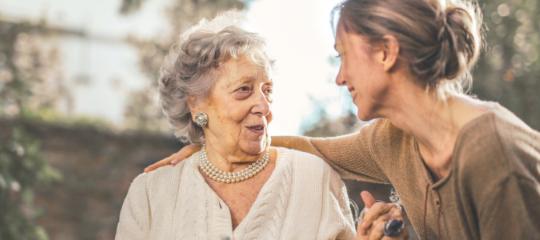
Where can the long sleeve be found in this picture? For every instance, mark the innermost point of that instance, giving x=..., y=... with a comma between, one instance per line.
x=350, y=155
x=134, y=220
x=512, y=211
x=499, y=179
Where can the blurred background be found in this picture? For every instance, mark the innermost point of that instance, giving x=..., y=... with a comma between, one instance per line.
x=78, y=112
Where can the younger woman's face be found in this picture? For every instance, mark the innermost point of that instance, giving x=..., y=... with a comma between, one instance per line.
x=360, y=72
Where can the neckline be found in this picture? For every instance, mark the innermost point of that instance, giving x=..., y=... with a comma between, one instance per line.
x=492, y=107
x=242, y=225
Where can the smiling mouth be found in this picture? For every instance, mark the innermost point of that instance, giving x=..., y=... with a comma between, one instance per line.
x=257, y=128
x=351, y=91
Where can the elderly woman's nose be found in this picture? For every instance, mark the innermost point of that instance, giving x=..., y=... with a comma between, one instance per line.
x=261, y=104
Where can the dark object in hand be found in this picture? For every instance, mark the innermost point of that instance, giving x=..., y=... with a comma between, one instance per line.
x=393, y=228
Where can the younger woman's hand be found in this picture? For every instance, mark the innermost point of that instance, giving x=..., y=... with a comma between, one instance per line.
x=375, y=217
x=175, y=158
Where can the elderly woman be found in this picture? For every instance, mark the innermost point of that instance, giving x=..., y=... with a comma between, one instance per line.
x=216, y=90
x=464, y=168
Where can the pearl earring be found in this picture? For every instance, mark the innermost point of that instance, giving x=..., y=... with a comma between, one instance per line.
x=201, y=119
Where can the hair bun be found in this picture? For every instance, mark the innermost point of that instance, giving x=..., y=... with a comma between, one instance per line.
x=459, y=41
x=439, y=39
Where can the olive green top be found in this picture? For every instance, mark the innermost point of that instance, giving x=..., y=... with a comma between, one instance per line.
x=491, y=192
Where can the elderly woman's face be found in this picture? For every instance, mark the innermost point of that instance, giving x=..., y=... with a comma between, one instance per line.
x=238, y=107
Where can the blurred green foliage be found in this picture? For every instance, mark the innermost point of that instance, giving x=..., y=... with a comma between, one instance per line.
x=22, y=168
x=509, y=69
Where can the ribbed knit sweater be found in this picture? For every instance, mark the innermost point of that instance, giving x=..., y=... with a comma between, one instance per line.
x=492, y=191
x=302, y=199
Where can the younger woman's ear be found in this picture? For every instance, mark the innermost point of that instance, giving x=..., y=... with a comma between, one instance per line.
x=390, y=52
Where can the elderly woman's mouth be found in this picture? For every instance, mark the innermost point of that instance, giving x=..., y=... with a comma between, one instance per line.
x=257, y=128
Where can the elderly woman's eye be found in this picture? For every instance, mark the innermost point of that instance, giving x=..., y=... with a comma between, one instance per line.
x=244, y=89
x=268, y=91
x=242, y=92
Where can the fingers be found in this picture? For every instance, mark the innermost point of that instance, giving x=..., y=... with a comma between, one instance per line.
x=361, y=232
x=377, y=210
x=184, y=153
x=377, y=231
x=375, y=216
x=159, y=164
x=396, y=213
x=175, y=158
x=367, y=198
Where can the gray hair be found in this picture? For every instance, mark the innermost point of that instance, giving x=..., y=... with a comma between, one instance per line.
x=191, y=68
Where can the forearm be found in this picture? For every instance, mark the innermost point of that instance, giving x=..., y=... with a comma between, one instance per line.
x=344, y=153
x=299, y=143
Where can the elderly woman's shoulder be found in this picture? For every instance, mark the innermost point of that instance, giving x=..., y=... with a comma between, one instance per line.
x=163, y=176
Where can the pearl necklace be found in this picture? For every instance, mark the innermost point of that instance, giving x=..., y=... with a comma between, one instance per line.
x=218, y=175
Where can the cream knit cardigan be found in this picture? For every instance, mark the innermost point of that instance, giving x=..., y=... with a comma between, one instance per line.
x=303, y=199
